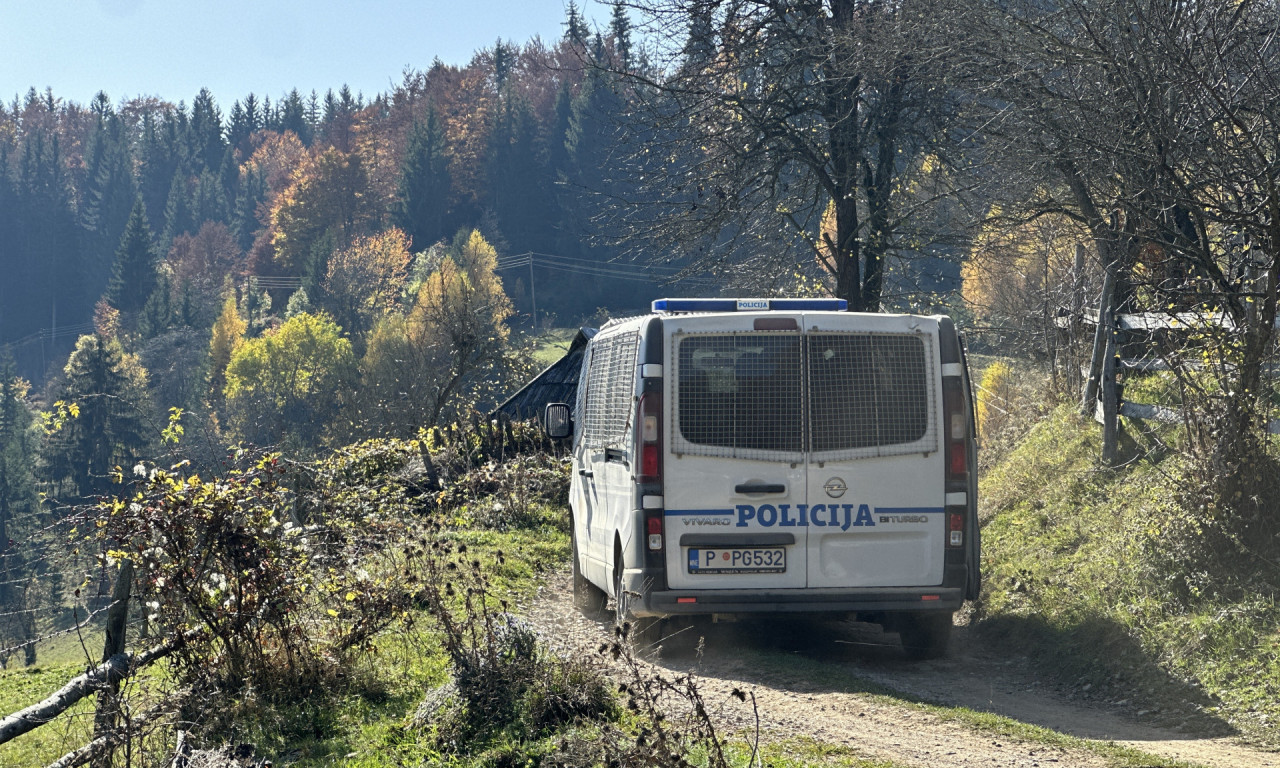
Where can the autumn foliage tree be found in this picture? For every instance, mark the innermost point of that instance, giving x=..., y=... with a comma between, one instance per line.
x=288, y=385
x=1019, y=273
x=363, y=281
x=228, y=333
x=439, y=358
x=325, y=207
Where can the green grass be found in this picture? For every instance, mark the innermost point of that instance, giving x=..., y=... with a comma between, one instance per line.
x=23, y=686
x=367, y=727
x=552, y=344
x=799, y=752
x=1086, y=567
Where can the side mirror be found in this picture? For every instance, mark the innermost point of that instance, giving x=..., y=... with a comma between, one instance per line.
x=558, y=421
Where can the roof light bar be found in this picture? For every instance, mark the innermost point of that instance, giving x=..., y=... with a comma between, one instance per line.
x=750, y=305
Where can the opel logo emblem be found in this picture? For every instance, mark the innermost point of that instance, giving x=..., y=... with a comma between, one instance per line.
x=835, y=487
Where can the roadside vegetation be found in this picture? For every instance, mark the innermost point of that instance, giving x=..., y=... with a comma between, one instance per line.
x=362, y=610
x=1119, y=580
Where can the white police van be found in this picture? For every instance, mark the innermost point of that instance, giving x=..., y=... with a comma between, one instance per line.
x=750, y=456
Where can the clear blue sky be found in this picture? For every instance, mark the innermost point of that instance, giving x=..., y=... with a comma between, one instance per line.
x=172, y=48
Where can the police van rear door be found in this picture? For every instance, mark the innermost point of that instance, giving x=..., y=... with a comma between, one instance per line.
x=734, y=480
x=875, y=466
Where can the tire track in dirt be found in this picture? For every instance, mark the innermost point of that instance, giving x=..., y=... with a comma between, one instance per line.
x=810, y=678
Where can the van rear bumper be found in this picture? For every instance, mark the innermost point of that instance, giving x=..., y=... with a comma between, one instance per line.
x=650, y=602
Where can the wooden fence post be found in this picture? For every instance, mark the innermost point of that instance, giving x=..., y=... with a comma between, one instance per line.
x=1110, y=395
x=1088, y=403
x=104, y=719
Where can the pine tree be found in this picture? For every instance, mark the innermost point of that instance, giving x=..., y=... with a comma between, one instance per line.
x=503, y=58
x=157, y=313
x=518, y=176
x=178, y=218
x=109, y=392
x=700, y=46
x=424, y=183
x=210, y=200
x=241, y=127
x=207, y=145
x=620, y=28
x=558, y=152
x=575, y=28
x=293, y=117
x=134, y=276
x=110, y=187
x=17, y=456
x=251, y=193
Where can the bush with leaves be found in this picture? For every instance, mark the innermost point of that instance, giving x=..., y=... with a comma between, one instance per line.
x=273, y=604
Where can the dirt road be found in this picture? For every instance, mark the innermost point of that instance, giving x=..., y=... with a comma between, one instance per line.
x=818, y=680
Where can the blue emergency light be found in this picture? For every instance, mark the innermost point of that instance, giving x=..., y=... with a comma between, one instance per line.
x=750, y=305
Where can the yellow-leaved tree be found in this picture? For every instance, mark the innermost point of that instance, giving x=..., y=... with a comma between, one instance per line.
x=289, y=386
x=363, y=282
x=449, y=352
x=228, y=333
x=1019, y=274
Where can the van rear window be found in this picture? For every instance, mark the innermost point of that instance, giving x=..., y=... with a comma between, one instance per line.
x=748, y=395
x=866, y=390
x=741, y=392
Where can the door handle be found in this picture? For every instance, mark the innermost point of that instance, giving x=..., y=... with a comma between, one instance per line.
x=586, y=473
x=760, y=488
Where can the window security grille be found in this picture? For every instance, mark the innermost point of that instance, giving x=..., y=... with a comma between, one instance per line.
x=740, y=395
x=869, y=394
x=608, y=403
x=746, y=395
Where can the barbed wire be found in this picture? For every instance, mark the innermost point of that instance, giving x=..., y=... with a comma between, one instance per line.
x=57, y=633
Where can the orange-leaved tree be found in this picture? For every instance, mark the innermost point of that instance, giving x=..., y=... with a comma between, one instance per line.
x=325, y=207
x=363, y=281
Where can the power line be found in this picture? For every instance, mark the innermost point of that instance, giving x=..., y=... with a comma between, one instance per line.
x=613, y=270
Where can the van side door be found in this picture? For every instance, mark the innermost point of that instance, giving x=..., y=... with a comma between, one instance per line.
x=603, y=452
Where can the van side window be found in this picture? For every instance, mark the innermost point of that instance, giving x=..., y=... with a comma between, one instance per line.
x=611, y=374
x=867, y=390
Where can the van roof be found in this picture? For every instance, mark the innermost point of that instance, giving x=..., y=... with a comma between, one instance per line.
x=671, y=306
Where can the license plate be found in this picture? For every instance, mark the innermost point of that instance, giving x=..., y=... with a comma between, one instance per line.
x=737, y=560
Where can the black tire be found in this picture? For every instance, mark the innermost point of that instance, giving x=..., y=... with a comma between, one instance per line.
x=643, y=632
x=587, y=597
x=925, y=635
x=681, y=636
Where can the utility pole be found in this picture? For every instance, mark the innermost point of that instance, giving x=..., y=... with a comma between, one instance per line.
x=533, y=295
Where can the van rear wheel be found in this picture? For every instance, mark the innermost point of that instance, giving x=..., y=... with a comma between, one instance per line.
x=587, y=597
x=642, y=632
x=925, y=635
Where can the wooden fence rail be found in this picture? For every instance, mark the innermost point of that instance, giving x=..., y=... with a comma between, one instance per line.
x=113, y=670
x=1163, y=414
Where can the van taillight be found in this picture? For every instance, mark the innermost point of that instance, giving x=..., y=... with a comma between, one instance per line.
x=649, y=437
x=956, y=424
x=959, y=459
x=957, y=437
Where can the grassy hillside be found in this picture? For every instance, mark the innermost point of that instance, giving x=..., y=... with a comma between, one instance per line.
x=1091, y=569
